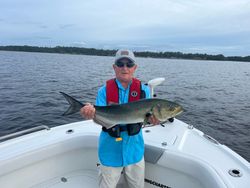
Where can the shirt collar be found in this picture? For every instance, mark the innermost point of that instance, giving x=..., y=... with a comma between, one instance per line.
x=120, y=85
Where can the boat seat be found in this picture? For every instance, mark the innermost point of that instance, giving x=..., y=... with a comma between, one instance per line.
x=152, y=154
x=76, y=179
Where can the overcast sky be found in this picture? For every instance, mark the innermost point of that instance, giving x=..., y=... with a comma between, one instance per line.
x=196, y=26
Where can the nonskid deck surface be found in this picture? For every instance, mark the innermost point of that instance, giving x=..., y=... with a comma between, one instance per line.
x=76, y=179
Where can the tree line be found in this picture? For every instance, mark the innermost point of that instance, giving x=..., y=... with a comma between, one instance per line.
x=102, y=52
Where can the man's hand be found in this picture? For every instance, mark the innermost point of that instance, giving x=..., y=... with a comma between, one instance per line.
x=153, y=120
x=88, y=111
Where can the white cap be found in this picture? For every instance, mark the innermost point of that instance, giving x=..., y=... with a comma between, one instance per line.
x=124, y=54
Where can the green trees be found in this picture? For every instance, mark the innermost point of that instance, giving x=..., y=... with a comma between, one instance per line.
x=101, y=52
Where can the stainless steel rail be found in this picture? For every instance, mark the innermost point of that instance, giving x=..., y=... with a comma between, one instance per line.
x=24, y=132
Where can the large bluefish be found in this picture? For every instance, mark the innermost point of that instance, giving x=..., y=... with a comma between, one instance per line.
x=133, y=112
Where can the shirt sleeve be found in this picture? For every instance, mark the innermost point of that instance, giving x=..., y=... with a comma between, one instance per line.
x=101, y=97
x=147, y=91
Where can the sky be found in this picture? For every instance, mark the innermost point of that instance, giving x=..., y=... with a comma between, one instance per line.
x=189, y=26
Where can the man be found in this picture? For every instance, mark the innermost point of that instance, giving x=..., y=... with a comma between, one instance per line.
x=121, y=148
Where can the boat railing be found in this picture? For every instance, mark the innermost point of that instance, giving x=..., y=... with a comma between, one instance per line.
x=23, y=132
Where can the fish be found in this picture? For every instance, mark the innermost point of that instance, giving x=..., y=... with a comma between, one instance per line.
x=128, y=113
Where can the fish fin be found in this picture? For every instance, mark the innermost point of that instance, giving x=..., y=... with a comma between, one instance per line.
x=75, y=105
x=104, y=124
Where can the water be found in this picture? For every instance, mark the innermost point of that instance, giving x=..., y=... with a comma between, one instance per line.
x=215, y=95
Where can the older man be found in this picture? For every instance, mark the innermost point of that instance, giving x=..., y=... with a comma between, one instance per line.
x=121, y=148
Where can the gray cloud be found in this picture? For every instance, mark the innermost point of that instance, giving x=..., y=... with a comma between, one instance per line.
x=42, y=37
x=193, y=26
x=65, y=26
x=44, y=26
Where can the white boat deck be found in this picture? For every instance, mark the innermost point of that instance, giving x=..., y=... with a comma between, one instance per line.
x=176, y=155
x=76, y=179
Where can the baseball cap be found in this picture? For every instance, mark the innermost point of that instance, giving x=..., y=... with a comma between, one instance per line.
x=122, y=53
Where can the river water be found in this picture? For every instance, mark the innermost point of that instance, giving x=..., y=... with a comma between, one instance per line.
x=214, y=94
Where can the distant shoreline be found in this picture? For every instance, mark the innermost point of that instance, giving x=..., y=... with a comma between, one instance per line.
x=101, y=52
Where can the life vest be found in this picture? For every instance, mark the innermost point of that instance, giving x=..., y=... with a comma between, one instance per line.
x=112, y=91
x=112, y=97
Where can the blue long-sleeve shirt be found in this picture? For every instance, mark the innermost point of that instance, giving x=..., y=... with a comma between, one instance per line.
x=130, y=149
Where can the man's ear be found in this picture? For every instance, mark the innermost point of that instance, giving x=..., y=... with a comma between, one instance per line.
x=135, y=67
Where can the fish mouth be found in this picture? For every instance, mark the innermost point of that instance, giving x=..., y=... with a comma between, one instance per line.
x=178, y=113
x=179, y=110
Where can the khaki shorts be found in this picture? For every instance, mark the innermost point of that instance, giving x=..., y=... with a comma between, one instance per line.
x=134, y=175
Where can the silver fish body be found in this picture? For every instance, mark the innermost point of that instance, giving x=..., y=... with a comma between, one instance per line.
x=136, y=112
x=133, y=112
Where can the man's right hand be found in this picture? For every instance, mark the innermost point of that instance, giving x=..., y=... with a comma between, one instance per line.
x=88, y=111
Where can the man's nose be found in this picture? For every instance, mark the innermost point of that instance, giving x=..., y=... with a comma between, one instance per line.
x=125, y=67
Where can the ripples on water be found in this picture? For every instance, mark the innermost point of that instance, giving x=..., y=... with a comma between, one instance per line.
x=215, y=95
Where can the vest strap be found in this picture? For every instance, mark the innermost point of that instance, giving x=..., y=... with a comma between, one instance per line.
x=112, y=92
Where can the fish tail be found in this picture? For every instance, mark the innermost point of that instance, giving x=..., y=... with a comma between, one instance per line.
x=74, y=107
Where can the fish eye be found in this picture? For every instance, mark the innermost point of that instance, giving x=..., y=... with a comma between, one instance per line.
x=171, y=107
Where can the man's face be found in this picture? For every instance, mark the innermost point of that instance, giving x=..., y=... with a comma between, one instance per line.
x=124, y=73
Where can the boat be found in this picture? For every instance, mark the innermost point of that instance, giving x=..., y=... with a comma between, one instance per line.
x=177, y=155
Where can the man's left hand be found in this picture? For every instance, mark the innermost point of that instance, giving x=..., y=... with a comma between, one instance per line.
x=153, y=120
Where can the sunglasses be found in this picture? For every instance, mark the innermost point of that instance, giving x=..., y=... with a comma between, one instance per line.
x=121, y=64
